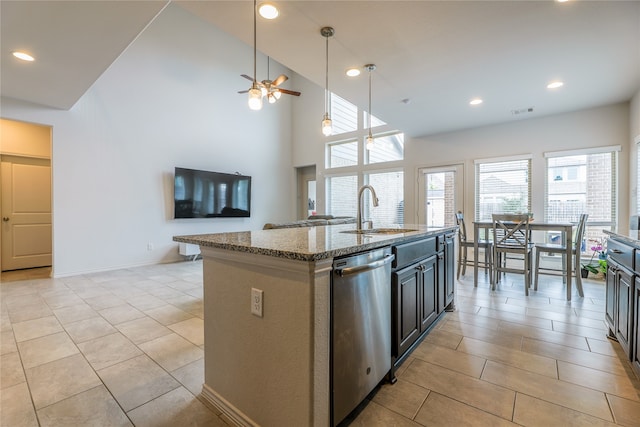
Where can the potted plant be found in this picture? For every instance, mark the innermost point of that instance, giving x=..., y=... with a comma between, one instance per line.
x=600, y=267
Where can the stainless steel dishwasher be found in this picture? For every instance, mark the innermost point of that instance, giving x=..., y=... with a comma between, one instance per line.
x=361, y=327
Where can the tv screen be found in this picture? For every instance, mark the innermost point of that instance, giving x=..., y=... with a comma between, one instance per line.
x=204, y=194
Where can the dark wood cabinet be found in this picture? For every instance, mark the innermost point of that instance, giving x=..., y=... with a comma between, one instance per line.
x=611, y=298
x=422, y=285
x=635, y=354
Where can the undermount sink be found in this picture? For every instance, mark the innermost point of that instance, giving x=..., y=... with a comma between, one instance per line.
x=380, y=231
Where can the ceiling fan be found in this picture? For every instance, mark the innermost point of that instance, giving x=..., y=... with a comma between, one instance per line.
x=270, y=88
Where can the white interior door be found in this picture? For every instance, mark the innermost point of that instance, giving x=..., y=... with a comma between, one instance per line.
x=440, y=195
x=26, y=213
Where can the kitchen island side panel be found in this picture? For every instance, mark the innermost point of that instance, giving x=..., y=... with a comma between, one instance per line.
x=271, y=370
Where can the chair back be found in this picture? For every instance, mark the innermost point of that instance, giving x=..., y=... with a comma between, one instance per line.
x=462, y=230
x=582, y=225
x=511, y=231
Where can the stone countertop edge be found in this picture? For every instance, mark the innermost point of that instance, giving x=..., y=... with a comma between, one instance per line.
x=632, y=237
x=308, y=243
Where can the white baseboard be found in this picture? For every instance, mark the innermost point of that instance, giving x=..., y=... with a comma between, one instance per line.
x=221, y=404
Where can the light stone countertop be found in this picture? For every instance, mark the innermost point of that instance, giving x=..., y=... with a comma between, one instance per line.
x=632, y=237
x=309, y=243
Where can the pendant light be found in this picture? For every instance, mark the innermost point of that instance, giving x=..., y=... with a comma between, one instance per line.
x=370, y=68
x=255, y=94
x=327, y=32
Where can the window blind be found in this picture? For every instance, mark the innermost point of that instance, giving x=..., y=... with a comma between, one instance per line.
x=502, y=187
x=389, y=188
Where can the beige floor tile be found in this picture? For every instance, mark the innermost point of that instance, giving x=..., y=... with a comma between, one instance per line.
x=543, y=335
x=403, y=397
x=85, y=330
x=121, y=313
x=145, y=302
x=522, y=319
x=94, y=407
x=142, y=330
x=104, y=301
x=472, y=391
x=36, y=328
x=374, y=415
x=191, y=329
x=583, y=331
x=74, y=313
x=520, y=359
x=474, y=319
x=191, y=376
x=608, y=347
x=17, y=409
x=11, y=372
x=621, y=386
x=51, y=382
x=7, y=342
x=626, y=412
x=62, y=299
x=137, y=381
x=168, y=314
x=172, y=351
x=488, y=335
x=443, y=339
x=46, y=349
x=108, y=350
x=29, y=312
x=176, y=408
x=164, y=292
x=530, y=411
x=564, y=394
x=575, y=356
x=458, y=361
x=441, y=411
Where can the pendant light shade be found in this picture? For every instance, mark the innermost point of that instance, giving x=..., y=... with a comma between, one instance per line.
x=370, y=141
x=255, y=93
x=327, y=126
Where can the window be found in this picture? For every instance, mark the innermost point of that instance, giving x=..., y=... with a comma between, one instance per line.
x=637, y=174
x=343, y=154
x=343, y=195
x=344, y=115
x=502, y=186
x=588, y=185
x=389, y=188
x=386, y=149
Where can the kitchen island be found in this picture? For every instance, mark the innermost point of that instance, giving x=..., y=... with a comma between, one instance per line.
x=272, y=367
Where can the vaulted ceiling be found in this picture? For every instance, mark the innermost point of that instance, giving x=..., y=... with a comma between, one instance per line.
x=432, y=57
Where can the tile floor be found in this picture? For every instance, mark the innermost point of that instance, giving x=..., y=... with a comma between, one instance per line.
x=126, y=348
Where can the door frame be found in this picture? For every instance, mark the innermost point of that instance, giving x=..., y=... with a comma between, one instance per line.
x=459, y=194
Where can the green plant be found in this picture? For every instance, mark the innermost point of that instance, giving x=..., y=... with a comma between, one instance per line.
x=601, y=267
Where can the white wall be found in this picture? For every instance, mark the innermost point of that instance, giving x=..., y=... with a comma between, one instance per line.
x=582, y=129
x=634, y=114
x=169, y=100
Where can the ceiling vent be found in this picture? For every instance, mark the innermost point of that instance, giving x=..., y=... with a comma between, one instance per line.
x=522, y=111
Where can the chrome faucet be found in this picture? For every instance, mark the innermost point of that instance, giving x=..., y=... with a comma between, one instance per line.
x=360, y=203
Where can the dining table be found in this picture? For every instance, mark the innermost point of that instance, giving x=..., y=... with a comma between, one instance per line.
x=564, y=228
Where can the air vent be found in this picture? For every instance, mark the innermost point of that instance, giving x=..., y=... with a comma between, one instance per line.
x=522, y=111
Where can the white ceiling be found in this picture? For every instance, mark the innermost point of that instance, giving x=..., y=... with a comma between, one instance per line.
x=437, y=54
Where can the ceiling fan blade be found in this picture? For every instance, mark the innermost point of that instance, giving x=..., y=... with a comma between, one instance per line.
x=243, y=91
x=289, y=92
x=279, y=80
x=247, y=77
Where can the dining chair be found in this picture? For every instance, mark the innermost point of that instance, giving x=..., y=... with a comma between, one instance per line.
x=511, y=235
x=561, y=249
x=463, y=246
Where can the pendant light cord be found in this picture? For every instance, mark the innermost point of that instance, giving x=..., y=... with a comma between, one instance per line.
x=326, y=74
x=255, y=55
x=369, y=102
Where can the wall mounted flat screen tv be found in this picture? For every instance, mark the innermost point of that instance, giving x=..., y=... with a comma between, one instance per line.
x=204, y=194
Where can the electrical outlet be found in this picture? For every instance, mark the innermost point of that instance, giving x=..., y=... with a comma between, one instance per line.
x=256, y=302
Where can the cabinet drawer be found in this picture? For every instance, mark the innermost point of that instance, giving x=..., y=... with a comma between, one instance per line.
x=413, y=251
x=621, y=253
x=637, y=267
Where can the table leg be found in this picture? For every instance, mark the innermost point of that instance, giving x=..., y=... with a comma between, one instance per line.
x=569, y=257
x=476, y=234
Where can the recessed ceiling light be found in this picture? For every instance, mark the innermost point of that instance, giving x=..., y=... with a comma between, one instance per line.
x=23, y=56
x=353, y=72
x=555, y=85
x=268, y=11
x=562, y=1
x=476, y=101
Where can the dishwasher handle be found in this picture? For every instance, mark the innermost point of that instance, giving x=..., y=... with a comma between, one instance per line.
x=366, y=267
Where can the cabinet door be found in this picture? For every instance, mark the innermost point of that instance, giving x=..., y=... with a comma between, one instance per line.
x=450, y=265
x=406, y=300
x=623, y=309
x=611, y=297
x=635, y=358
x=429, y=292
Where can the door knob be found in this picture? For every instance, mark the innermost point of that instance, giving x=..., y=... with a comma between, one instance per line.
x=5, y=218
